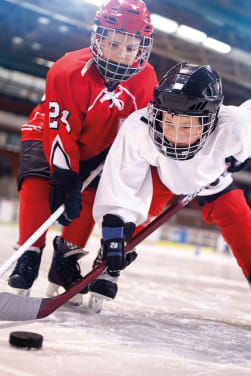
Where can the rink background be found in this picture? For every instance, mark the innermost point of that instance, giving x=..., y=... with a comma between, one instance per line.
x=177, y=312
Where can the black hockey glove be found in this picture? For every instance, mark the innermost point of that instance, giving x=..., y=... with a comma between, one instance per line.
x=66, y=189
x=115, y=233
x=234, y=165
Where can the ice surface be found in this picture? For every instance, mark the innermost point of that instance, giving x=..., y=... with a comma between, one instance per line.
x=176, y=314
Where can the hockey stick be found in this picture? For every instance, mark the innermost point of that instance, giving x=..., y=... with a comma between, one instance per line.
x=41, y=230
x=30, y=308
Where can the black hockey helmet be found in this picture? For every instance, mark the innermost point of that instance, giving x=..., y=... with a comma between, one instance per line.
x=190, y=91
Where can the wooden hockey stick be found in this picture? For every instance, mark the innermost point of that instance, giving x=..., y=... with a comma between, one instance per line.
x=40, y=231
x=19, y=308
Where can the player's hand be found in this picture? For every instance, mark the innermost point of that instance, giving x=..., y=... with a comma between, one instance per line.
x=129, y=258
x=114, y=237
x=66, y=189
x=234, y=165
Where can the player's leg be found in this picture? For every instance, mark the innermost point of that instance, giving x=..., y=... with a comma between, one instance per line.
x=105, y=286
x=33, y=211
x=68, y=249
x=33, y=186
x=232, y=216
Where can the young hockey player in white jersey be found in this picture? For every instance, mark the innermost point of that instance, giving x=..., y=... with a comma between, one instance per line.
x=177, y=145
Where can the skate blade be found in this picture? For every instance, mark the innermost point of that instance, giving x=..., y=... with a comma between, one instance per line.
x=23, y=292
x=76, y=300
x=53, y=290
x=96, y=302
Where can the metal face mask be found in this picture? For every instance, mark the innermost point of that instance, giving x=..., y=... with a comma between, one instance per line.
x=119, y=56
x=182, y=138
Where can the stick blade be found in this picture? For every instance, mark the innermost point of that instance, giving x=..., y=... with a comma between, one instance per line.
x=18, y=308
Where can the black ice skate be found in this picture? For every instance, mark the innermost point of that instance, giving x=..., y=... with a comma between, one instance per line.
x=26, y=271
x=104, y=287
x=65, y=270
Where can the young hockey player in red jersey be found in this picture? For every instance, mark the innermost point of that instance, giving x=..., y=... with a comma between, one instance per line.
x=177, y=145
x=88, y=95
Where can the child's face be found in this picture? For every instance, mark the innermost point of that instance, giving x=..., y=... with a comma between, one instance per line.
x=120, y=48
x=181, y=130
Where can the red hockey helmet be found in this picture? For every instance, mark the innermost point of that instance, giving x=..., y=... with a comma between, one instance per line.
x=129, y=18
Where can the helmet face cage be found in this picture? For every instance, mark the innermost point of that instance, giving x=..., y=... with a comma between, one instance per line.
x=171, y=142
x=118, y=71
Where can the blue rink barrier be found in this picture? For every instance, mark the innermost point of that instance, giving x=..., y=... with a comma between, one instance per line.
x=179, y=235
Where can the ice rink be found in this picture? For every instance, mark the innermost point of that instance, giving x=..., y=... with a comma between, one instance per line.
x=176, y=314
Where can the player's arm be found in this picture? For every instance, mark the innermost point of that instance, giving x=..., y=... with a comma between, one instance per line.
x=63, y=122
x=61, y=133
x=242, y=139
x=125, y=187
x=233, y=165
x=123, y=197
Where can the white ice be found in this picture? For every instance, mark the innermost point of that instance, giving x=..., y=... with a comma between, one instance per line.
x=176, y=314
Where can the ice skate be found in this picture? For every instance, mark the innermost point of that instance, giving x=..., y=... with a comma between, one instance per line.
x=26, y=271
x=65, y=270
x=104, y=287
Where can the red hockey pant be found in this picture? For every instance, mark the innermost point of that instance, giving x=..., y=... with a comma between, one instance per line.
x=232, y=216
x=33, y=208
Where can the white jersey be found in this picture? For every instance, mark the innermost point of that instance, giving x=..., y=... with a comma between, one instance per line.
x=125, y=188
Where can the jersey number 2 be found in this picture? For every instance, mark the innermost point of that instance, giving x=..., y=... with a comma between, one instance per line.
x=55, y=114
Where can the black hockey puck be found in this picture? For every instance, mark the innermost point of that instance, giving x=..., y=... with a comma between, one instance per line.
x=27, y=340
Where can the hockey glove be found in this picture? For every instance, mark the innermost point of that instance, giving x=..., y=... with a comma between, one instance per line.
x=115, y=233
x=66, y=189
x=234, y=165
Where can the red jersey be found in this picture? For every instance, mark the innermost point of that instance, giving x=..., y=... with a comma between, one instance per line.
x=82, y=115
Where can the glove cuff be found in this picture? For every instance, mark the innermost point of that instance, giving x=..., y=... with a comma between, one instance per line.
x=109, y=233
x=70, y=180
